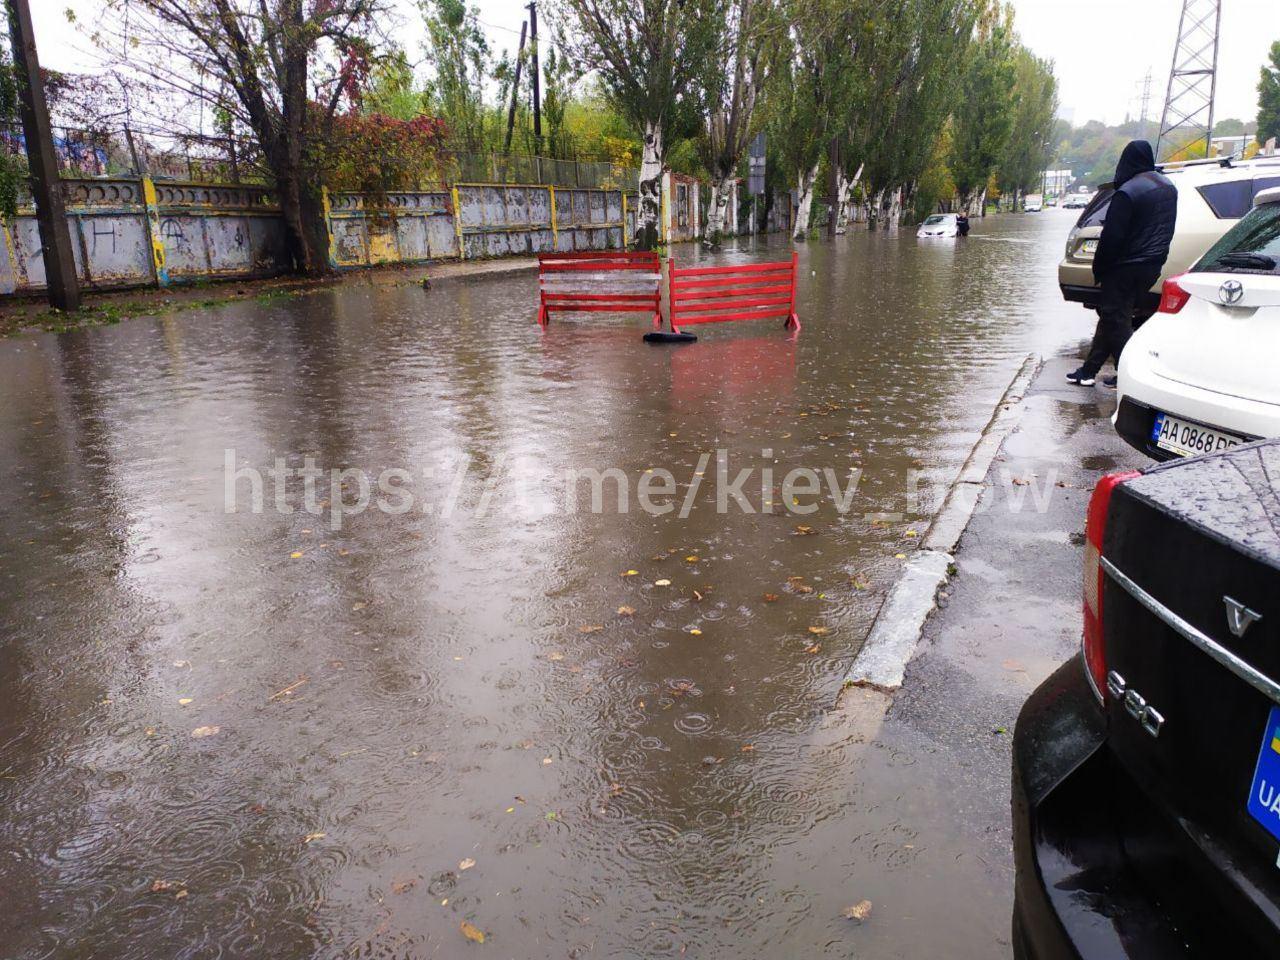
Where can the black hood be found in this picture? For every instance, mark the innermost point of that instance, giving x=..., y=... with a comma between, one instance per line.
x=1137, y=158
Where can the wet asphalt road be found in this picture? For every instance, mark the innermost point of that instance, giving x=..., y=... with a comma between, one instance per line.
x=227, y=733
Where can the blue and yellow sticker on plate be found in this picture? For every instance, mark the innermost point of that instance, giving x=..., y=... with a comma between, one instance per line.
x=1264, y=794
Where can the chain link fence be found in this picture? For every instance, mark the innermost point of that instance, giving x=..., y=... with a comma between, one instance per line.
x=205, y=159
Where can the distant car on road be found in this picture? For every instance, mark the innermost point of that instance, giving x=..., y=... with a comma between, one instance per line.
x=1146, y=770
x=939, y=225
x=1212, y=196
x=1202, y=374
x=1033, y=203
x=1076, y=201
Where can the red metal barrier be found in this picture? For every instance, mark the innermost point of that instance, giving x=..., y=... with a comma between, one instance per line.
x=600, y=281
x=740, y=291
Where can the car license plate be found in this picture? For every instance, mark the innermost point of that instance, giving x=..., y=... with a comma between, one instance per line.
x=1089, y=246
x=1188, y=439
x=1264, y=793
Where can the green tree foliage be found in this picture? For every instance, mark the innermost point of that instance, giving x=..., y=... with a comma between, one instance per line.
x=1031, y=144
x=983, y=118
x=646, y=54
x=461, y=62
x=1269, y=97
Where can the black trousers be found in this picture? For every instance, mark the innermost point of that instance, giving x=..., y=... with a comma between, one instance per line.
x=1121, y=290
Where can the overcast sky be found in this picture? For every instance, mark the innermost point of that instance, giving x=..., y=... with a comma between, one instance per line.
x=1102, y=48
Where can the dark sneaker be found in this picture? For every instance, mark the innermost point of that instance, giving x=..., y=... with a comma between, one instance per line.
x=1080, y=378
x=1109, y=382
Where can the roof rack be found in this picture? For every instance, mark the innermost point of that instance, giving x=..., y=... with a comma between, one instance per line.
x=1202, y=162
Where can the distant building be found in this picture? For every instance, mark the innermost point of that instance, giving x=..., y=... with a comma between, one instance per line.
x=1055, y=182
x=1230, y=146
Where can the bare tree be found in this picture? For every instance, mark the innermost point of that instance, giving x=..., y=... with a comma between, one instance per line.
x=280, y=68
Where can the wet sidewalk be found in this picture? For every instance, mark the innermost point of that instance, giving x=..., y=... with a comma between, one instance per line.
x=941, y=760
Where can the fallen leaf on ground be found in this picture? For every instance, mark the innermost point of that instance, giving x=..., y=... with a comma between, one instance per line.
x=466, y=864
x=200, y=732
x=859, y=911
x=472, y=932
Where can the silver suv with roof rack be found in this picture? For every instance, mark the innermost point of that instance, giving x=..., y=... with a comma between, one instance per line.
x=1212, y=197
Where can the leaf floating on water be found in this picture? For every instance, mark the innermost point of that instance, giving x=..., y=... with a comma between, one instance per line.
x=591, y=628
x=318, y=835
x=295, y=555
x=695, y=632
x=697, y=595
x=802, y=588
x=819, y=631
x=403, y=886
x=858, y=912
x=183, y=701
x=692, y=558
x=770, y=598
x=160, y=886
x=748, y=747
x=472, y=932
x=555, y=656
x=662, y=583
x=631, y=573
x=816, y=648
x=804, y=530
x=899, y=556
x=625, y=611
x=201, y=732
x=466, y=864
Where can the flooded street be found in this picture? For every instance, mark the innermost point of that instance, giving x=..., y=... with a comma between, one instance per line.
x=297, y=733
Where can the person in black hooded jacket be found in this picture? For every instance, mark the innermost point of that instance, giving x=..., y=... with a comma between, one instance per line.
x=1131, y=252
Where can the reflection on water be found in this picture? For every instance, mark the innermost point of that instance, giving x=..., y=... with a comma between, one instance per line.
x=630, y=765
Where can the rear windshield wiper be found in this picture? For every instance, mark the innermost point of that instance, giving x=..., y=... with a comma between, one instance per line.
x=1250, y=261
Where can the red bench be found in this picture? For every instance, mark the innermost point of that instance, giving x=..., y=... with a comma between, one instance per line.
x=741, y=291
x=600, y=281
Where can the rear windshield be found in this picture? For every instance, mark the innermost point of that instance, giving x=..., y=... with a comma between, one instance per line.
x=1096, y=211
x=1251, y=246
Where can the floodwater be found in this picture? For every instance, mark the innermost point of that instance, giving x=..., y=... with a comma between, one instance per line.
x=229, y=733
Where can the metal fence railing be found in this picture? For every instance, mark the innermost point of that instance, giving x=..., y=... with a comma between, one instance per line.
x=208, y=159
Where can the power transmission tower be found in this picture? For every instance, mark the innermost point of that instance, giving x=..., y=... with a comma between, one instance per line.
x=1145, y=114
x=1193, y=78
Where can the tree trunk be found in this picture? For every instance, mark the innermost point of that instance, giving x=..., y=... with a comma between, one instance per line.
x=805, y=192
x=716, y=217
x=982, y=203
x=650, y=212
x=843, y=192
x=894, y=215
x=874, y=209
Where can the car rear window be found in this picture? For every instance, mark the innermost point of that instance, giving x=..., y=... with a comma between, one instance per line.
x=1096, y=211
x=1230, y=200
x=1247, y=246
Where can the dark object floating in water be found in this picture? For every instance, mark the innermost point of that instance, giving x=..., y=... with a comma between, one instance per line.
x=664, y=336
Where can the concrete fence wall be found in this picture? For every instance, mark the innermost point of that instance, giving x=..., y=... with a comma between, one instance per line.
x=135, y=232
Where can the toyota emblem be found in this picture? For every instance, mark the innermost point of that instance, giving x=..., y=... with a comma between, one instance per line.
x=1231, y=292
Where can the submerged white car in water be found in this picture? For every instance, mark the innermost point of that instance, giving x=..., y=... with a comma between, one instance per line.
x=939, y=225
x=1201, y=375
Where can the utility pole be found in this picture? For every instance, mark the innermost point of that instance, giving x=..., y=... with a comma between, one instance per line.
x=537, y=77
x=1193, y=77
x=1145, y=112
x=515, y=89
x=46, y=185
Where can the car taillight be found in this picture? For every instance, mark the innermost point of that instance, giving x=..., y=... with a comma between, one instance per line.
x=1172, y=296
x=1095, y=650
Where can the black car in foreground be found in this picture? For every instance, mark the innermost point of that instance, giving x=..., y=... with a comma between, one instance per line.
x=1146, y=771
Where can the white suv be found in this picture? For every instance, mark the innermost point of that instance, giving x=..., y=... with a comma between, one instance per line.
x=1212, y=197
x=1202, y=373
